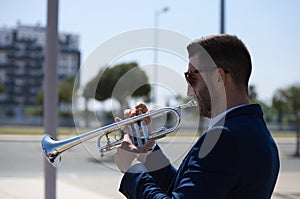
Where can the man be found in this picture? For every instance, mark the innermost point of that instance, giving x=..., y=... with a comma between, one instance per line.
x=235, y=158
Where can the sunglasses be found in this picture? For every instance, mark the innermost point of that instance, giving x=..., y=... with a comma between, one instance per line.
x=191, y=76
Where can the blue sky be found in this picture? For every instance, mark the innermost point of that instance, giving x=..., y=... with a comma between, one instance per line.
x=270, y=28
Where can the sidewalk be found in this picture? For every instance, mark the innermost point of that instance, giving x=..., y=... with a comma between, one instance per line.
x=288, y=186
x=33, y=188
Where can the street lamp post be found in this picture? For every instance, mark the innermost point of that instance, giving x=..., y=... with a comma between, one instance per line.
x=222, y=17
x=155, y=50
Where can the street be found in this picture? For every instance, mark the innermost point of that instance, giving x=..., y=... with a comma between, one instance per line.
x=21, y=162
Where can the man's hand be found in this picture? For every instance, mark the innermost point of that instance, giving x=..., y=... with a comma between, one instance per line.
x=140, y=108
x=128, y=154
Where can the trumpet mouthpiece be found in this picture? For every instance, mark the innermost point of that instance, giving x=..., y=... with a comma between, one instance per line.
x=189, y=104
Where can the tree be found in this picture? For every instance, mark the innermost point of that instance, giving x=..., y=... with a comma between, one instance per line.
x=65, y=90
x=65, y=93
x=123, y=81
x=292, y=96
x=2, y=87
x=279, y=104
x=288, y=101
x=88, y=93
x=252, y=93
x=119, y=82
x=254, y=99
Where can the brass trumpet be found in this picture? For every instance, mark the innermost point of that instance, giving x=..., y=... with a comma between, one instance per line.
x=135, y=127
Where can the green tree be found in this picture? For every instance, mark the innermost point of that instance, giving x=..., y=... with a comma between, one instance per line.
x=119, y=82
x=65, y=93
x=268, y=112
x=252, y=93
x=39, y=99
x=2, y=87
x=65, y=90
x=287, y=101
x=88, y=93
x=292, y=96
x=279, y=104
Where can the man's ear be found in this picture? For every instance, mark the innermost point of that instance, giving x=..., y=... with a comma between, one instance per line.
x=221, y=76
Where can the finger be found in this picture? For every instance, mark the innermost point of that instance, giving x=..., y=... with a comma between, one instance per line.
x=148, y=119
x=117, y=119
x=137, y=110
x=133, y=112
x=146, y=147
x=127, y=144
x=124, y=146
x=127, y=138
x=127, y=113
x=142, y=107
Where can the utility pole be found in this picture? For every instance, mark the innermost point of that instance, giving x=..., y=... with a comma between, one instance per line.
x=222, y=29
x=50, y=92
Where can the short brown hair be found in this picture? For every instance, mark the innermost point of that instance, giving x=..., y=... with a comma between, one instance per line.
x=227, y=52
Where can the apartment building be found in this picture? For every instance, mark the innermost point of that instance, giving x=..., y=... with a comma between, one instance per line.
x=22, y=63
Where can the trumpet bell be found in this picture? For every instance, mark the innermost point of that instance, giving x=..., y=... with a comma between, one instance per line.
x=49, y=150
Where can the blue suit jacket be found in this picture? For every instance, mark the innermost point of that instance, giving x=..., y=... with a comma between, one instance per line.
x=236, y=159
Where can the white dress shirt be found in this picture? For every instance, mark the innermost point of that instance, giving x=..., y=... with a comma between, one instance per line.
x=216, y=119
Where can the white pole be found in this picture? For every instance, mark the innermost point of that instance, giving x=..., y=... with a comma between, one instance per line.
x=155, y=52
x=155, y=57
x=50, y=92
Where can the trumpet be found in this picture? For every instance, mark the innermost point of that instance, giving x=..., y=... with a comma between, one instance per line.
x=135, y=126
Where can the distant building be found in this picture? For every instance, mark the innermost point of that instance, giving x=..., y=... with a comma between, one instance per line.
x=22, y=62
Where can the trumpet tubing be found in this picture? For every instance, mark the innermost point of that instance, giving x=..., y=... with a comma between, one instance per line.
x=136, y=127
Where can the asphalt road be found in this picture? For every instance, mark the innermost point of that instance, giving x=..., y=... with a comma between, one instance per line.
x=82, y=167
x=24, y=158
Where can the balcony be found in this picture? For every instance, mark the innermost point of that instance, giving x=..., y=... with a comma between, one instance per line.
x=8, y=48
x=9, y=84
x=34, y=67
x=34, y=48
x=25, y=57
x=25, y=75
x=70, y=50
x=25, y=40
x=5, y=66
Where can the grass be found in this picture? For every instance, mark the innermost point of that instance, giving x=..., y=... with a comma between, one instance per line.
x=281, y=134
x=29, y=130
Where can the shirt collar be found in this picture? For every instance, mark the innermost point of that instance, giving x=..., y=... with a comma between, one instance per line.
x=216, y=119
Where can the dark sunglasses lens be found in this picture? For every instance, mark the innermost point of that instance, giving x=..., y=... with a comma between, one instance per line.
x=188, y=77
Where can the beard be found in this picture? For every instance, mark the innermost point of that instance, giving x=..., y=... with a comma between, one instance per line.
x=204, y=101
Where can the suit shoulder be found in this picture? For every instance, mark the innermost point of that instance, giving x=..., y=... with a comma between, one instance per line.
x=217, y=137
